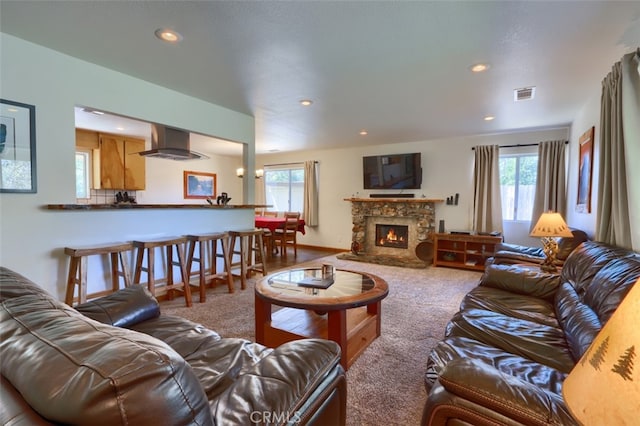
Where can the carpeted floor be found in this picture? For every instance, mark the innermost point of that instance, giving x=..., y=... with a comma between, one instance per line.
x=385, y=384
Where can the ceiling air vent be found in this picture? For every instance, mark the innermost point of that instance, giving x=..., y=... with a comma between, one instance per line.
x=524, y=94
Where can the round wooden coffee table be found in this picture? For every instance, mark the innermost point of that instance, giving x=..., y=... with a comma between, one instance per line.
x=347, y=312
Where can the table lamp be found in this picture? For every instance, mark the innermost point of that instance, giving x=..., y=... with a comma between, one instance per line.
x=550, y=226
x=604, y=387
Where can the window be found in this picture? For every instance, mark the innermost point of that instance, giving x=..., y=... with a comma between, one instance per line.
x=284, y=188
x=82, y=174
x=517, y=186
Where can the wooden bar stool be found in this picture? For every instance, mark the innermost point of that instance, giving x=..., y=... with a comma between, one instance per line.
x=78, y=268
x=169, y=243
x=207, y=256
x=247, y=242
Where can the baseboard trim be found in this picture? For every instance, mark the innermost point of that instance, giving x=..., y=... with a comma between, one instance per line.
x=327, y=249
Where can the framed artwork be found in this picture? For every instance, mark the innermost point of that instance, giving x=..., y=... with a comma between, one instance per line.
x=17, y=147
x=199, y=185
x=585, y=171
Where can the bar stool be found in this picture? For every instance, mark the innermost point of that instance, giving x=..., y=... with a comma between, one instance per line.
x=249, y=242
x=207, y=266
x=168, y=244
x=78, y=268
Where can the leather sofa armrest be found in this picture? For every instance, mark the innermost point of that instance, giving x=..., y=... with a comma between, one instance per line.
x=521, y=280
x=475, y=386
x=300, y=382
x=518, y=249
x=505, y=257
x=123, y=308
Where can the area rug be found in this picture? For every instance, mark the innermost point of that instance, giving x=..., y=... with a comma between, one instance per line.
x=385, y=385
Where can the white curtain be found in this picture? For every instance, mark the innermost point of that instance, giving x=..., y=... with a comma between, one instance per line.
x=311, y=193
x=487, y=201
x=619, y=138
x=551, y=180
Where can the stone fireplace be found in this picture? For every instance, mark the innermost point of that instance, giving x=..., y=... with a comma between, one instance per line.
x=393, y=231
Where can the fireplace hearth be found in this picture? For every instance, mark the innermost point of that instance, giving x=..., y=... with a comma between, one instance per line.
x=394, y=236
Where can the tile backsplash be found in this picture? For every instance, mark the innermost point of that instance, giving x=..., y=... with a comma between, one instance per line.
x=103, y=196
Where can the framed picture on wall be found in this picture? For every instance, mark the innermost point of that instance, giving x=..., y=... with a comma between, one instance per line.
x=585, y=171
x=17, y=147
x=199, y=185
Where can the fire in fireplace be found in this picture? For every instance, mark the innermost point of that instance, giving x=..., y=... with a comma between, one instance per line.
x=394, y=236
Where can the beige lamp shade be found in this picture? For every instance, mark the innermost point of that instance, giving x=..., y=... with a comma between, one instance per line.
x=551, y=224
x=604, y=386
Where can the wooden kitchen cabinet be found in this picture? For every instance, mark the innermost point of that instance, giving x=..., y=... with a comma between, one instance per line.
x=463, y=251
x=116, y=163
x=120, y=166
x=134, y=164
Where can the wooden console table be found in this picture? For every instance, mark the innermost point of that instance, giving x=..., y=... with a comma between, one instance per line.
x=463, y=251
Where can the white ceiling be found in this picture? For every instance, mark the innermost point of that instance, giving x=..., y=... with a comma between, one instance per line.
x=399, y=69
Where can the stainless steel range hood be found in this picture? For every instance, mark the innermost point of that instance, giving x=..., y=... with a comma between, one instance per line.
x=170, y=144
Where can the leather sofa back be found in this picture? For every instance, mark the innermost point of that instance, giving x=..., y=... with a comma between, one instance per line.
x=74, y=370
x=566, y=245
x=594, y=280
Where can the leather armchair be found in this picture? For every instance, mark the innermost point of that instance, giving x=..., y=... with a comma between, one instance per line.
x=509, y=254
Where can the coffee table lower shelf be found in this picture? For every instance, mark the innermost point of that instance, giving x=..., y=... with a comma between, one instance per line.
x=353, y=329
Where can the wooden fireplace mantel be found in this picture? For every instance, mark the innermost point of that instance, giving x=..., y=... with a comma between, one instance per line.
x=394, y=200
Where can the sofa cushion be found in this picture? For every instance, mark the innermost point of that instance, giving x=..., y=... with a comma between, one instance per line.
x=611, y=284
x=566, y=245
x=74, y=370
x=14, y=285
x=216, y=362
x=586, y=261
x=520, y=306
x=538, y=342
x=281, y=384
x=123, y=308
x=518, y=279
x=579, y=321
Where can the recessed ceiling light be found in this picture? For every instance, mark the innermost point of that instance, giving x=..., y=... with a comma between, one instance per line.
x=479, y=67
x=306, y=102
x=168, y=35
x=489, y=118
x=363, y=132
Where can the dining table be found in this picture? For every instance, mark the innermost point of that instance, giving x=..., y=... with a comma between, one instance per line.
x=273, y=222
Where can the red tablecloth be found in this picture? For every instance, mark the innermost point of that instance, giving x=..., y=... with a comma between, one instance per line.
x=273, y=223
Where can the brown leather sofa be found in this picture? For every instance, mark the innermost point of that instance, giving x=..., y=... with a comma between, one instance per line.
x=117, y=361
x=509, y=254
x=518, y=335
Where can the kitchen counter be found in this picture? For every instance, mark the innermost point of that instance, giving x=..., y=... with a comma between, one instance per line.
x=130, y=206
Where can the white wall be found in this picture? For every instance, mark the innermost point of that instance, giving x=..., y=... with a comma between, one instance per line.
x=165, y=179
x=32, y=238
x=589, y=116
x=447, y=166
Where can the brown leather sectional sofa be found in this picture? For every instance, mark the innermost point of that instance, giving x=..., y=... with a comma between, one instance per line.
x=117, y=361
x=518, y=335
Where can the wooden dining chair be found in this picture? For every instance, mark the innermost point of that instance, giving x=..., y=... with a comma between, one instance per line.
x=270, y=213
x=287, y=236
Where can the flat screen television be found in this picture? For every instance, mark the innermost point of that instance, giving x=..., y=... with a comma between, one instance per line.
x=395, y=171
